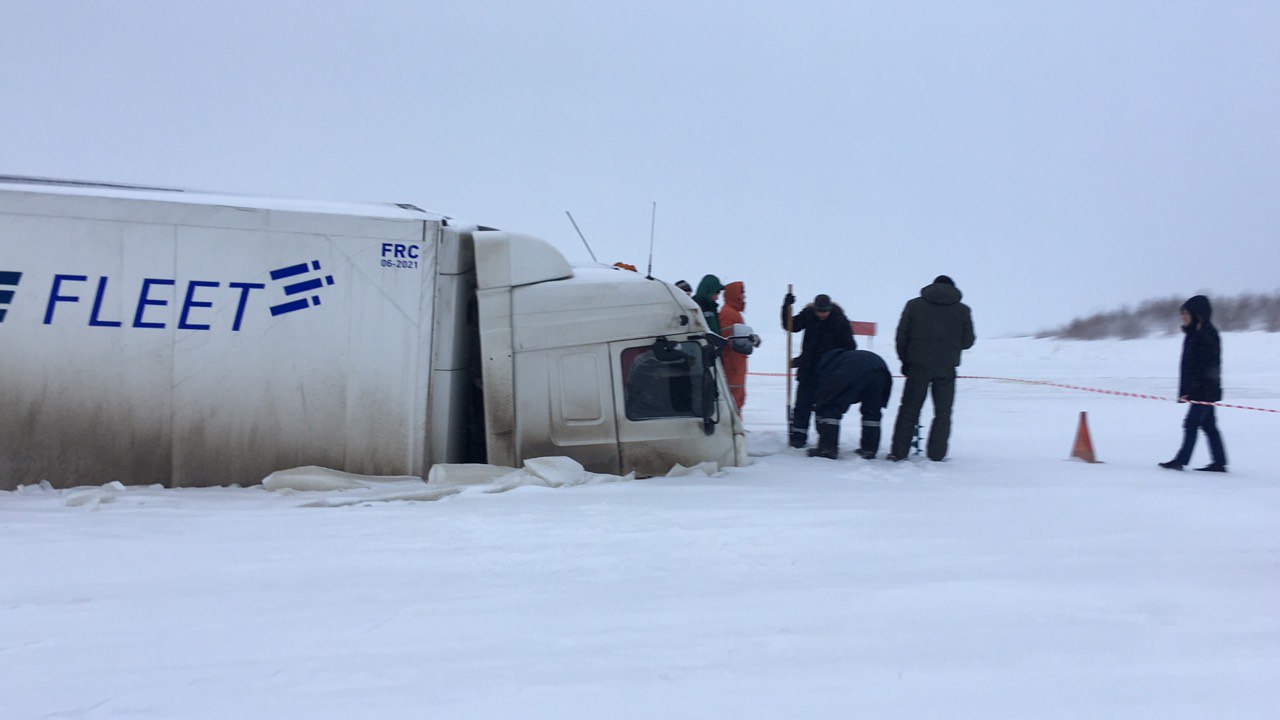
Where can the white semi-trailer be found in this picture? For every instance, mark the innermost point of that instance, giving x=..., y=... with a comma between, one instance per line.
x=159, y=336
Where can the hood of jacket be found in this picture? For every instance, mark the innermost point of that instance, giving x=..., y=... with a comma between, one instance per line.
x=941, y=294
x=734, y=296
x=708, y=286
x=1201, y=311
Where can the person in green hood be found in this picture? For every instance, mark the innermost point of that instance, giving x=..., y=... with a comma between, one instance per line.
x=932, y=332
x=708, y=298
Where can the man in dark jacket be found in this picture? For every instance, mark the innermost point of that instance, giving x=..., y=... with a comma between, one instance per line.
x=708, y=299
x=1200, y=381
x=825, y=328
x=932, y=332
x=845, y=377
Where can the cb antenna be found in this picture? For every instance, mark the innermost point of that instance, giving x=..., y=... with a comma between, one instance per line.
x=653, y=220
x=584, y=237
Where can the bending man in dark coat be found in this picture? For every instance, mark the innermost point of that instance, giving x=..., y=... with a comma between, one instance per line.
x=934, y=328
x=825, y=328
x=1200, y=379
x=845, y=377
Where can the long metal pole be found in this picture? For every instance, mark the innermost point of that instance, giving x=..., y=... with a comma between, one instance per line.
x=788, y=365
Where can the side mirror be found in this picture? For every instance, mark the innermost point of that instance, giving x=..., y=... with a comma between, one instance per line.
x=740, y=339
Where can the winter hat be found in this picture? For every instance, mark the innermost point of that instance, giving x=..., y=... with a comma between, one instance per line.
x=822, y=303
x=944, y=280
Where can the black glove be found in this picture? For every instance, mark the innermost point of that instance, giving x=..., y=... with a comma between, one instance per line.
x=789, y=299
x=755, y=340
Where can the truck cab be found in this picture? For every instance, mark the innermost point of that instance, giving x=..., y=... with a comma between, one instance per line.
x=596, y=363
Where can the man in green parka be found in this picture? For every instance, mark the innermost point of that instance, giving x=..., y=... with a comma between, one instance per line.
x=932, y=332
x=708, y=298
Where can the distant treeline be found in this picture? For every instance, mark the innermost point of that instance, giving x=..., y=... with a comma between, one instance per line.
x=1154, y=317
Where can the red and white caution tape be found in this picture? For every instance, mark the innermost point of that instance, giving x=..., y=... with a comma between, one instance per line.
x=1120, y=393
x=1102, y=391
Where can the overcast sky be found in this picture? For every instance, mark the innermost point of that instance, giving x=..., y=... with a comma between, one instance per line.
x=1054, y=158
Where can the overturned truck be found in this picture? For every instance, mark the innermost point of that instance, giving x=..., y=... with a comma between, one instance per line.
x=160, y=336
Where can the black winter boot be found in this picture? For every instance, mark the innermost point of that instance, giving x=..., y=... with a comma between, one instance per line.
x=1171, y=465
x=870, y=442
x=1213, y=467
x=828, y=441
x=798, y=439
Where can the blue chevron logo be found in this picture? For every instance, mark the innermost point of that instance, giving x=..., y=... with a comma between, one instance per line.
x=295, y=284
x=8, y=286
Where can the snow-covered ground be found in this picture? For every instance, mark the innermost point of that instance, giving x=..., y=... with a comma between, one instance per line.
x=1007, y=582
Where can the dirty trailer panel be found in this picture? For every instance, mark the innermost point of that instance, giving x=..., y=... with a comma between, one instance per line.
x=203, y=344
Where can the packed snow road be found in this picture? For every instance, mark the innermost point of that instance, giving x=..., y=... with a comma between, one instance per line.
x=1006, y=582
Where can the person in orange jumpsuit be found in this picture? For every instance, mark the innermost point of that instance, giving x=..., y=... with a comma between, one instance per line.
x=734, y=356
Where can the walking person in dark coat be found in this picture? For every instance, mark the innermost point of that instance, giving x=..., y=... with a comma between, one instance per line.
x=825, y=328
x=932, y=332
x=845, y=377
x=1200, y=381
x=708, y=298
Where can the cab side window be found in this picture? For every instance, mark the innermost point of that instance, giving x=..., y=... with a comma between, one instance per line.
x=667, y=387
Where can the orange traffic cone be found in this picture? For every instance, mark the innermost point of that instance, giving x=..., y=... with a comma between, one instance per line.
x=1083, y=448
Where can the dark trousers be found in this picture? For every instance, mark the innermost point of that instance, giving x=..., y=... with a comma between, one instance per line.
x=920, y=381
x=830, y=415
x=804, y=401
x=1201, y=417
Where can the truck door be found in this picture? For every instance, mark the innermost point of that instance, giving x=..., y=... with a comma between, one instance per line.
x=668, y=406
x=564, y=406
